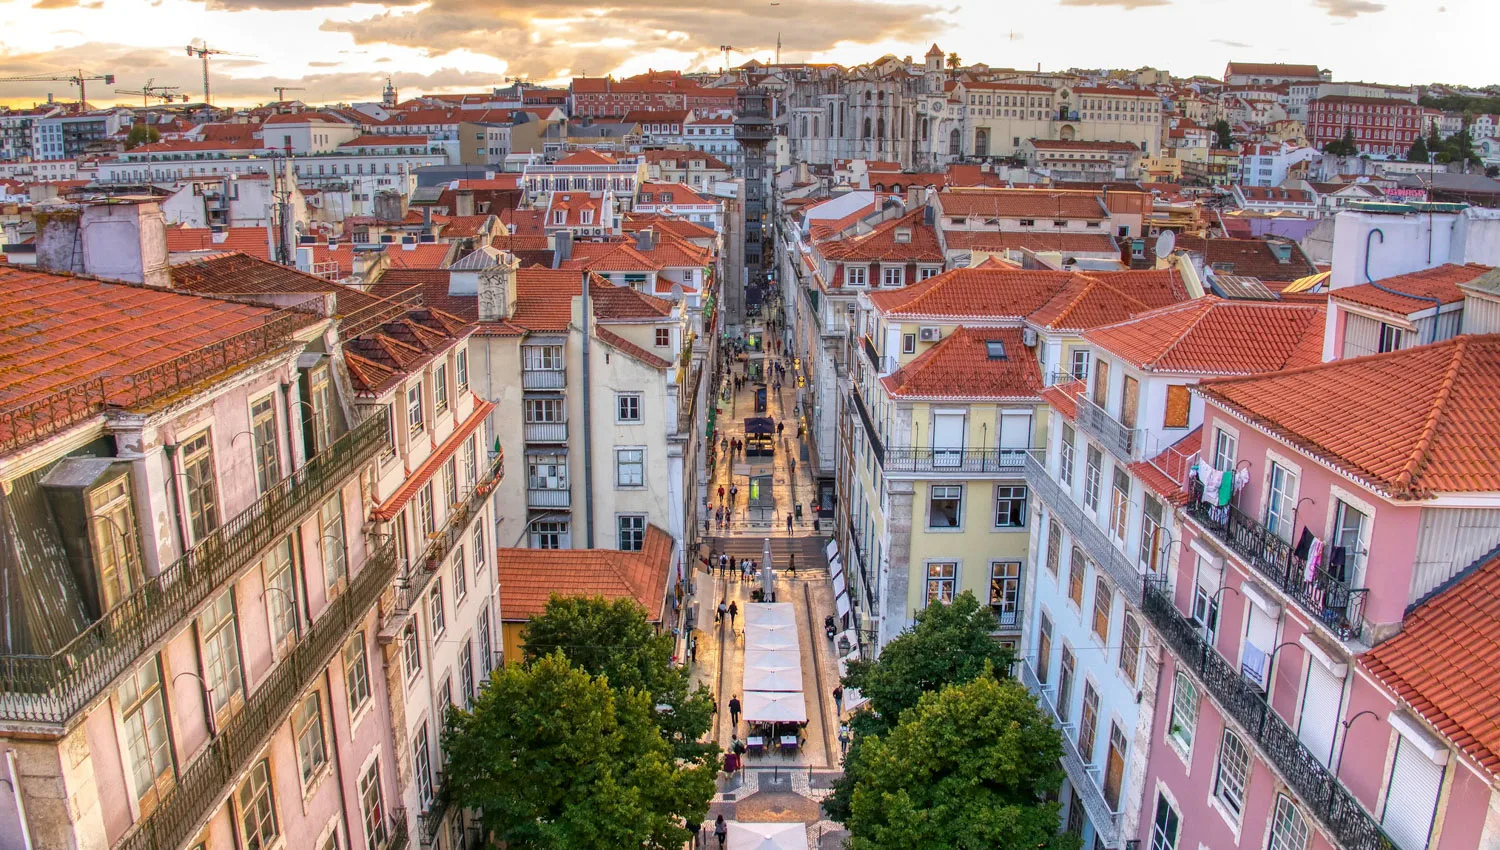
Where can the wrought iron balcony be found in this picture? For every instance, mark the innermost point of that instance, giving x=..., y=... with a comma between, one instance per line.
x=543, y=379
x=51, y=689
x=546, y=432
x=549, y=498
x=870, y=353
x=1125, y=443
x=417, y=575
x=1321, y=791
x=950, y=461
x=1331, y=601
x=204, y=784
x=432, y=816
x=1007, y=616
x=1096, y=544
x=399, y=837
x=1106, y=821
x=870, y=432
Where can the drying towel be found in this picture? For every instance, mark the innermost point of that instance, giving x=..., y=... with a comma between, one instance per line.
x=1314, y=558
x=1226, y=488
x=1304, y=543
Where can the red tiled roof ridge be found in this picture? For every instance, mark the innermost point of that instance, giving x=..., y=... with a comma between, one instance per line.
x=614, y=340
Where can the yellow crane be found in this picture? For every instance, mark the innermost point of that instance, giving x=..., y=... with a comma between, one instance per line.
x=79, y=79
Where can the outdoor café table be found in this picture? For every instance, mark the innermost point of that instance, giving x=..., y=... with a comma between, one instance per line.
x=789, y=742
x=755, y=744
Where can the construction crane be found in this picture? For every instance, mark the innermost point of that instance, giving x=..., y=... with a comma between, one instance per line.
x=165, y=94
x=77, y=79
x=726, y=48
x=282, y=90
x=200, y=49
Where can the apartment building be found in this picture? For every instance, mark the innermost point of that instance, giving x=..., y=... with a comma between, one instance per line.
x=192, y=622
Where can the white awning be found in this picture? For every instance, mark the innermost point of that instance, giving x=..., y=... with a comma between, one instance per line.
x=773, y=670
x=775, y=707
x=838, y=584
x=835, y=566
x=831, y=550
x=767, y=836
x=770, y=614
x=759, y=636
x=841, y=603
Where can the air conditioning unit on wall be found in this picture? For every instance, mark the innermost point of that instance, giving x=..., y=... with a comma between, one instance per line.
x=930, y=334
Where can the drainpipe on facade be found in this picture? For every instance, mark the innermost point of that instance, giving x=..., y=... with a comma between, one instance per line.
x=588, y=425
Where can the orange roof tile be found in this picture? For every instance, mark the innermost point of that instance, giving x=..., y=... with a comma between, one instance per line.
x=242, y=274
x=530, y=577
x=1023, y=203
x=255, y=241
x=960, y=367
x=1063, y=398
x=1102, y=298
x=587, y=156
x=1442, y=662
x=1212, y=336
x=466, y=226
x=621, y=303
x=1411, y=423
x=1166, y=473
x=544, y=298
x=1421, y=287
x=434, y=461
x=882, y=243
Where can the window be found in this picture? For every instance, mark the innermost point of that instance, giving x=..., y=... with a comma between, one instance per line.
x=1114, y=767
x=219, y=634
x=466, y=672
x=436, y=612
x=307, y=727
x=543, y=357
x=263, y=443
x=544, y=410
x=1080, y=363
x=421, y=764
x=1119, y=504
x=908, y=343
x=1104, y=599
x=942, y=583
x=1288, y=828
x=632, y=532
x=855, y=275
x=1054, y=545
x=1005, y=591
x=1205, y=612
x=1010, y=506
x=630, y=467
x=1151, y=531
x=1130, y=648
x=281, y=592
x=486, y=659
x=1065, y=455
x=1075, y=576
x=1093, y=473
x=1065, y=683
x=147, y=744
x=460, y=578
x=1164, y=828
x=461, y=369
x=892, y=276
x=440, y=388
x=663, y=337
x=356, y=673
x=1101, y=382
x=257, y=809
x=426, y=519
x=1345, y=560
x=1281, y=501
x=1088, y=722
x=1390, y=338
x=411, y=649
x=1411, y=795
x=471, y=464
x=479, y=557
x=627, y=407
x=1184, y=718
x=115, y=552
x=945, y=506
x=372, y=806
x=333, y=544
x=199, y=487
x=1226, y=445
x=414, y=420
x=1043, y=648
x=1232, y=773
x=925, y=272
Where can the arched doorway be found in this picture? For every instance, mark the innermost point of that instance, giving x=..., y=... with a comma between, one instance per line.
x=982, y=142
x=1066, y=133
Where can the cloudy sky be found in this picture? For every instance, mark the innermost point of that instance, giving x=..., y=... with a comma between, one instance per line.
x=344, y=51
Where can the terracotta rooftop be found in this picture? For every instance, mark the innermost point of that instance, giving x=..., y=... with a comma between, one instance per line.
x=970, y=363
x=254, y=241
x=1442, y=662
x=1411, y=423
x=885, y=242
x=587, y=156
x=1063, y=398
x=1250, y=257
x=1092, y=299
x=1023, y=203
x=1016, y=240
x=621, y=303
x=467, y=226
x=1154, y=473
x=241, y=274
x=1421, y=287
x=530, y=577
x=1214, y=336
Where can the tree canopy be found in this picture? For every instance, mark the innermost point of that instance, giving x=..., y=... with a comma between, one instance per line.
x=1344, y=146
x=614, y=640
x=555, y=758
x=141, y=134
x=1223, y=138
x=1418, y=151
x=970, y=766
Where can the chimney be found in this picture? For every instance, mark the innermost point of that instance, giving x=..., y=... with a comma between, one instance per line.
x=463, y=202
x=123, y=240
x=645, y=239
x=497, y=289
x=913, y=197
x=562, y=248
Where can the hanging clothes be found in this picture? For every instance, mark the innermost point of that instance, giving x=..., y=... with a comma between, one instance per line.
x=1314, y=558
x=1211, y=478
x=1226, y=488
x=1304, y=544
x=1337, y=556
x=1241, y=478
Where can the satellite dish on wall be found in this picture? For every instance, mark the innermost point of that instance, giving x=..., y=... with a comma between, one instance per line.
x=1166, y=243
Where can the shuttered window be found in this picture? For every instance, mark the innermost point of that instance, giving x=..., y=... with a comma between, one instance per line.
x=1412, y=796
x=1321, y=698
x=1178, y=403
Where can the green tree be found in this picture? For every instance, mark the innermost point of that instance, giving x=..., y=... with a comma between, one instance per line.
x=1344, y=146
x=949, y=644
x=615, y=640
x=554, y=759
x=1460, y=147
x=141, y=134
x=971, y=766
x=1223, y=138
x=1418, y=151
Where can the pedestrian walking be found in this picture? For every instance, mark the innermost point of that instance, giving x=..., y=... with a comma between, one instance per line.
x=843, y=740
x=693, y=649
x=734, y=711
x=792, y=463
x=791, y=563
x=721, y=831
x=723, y=561
x=734, y=611
x=780, y=426
x=838, y=698
x=722, y=609
x=788, y=525
x=734, y=493
x=721, y=492
x=749, y=568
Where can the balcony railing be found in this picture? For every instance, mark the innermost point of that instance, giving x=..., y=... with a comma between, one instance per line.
x=399, y=837
x=1008, y=616
x=967, y=461
x=543, y=379
x=417, y=575
x=546, y=432
x=1330, y=601
x=549, y=498
x=870, y=432
x=50, y=689
x=1324, y=795
x=432, y=816
x=1098, y=545
x=1125, y=443
x=205, y=783
x=1106, y=821
x=870, y=353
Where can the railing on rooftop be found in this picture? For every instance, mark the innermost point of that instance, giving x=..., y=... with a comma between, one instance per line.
x=204, y=784
x=1330, y=600
x=970, y=461
x=1323, y=794
x=417, y=575
x=34, y=420
x=51, y=689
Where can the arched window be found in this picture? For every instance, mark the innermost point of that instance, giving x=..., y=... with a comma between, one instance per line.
x=924, y=129
x=880, y=127
x=1288, y=827
x=867, y=128
x=1184, y=719
x=953, y=143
